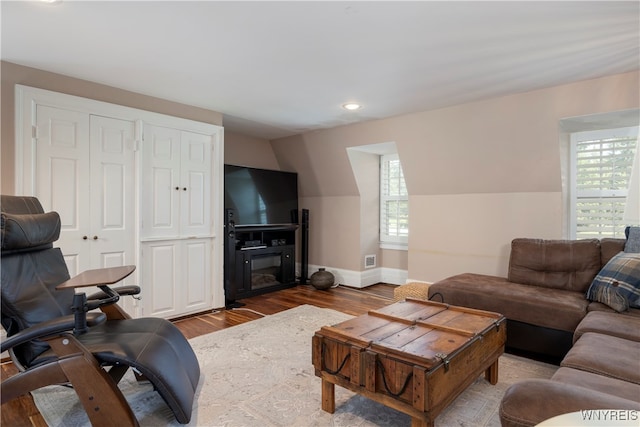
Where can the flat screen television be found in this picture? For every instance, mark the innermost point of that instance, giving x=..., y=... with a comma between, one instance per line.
x=261, y=197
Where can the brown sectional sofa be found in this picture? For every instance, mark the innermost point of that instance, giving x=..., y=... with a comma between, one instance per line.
x=544, y=301
x=543, y=297
x=601, y=371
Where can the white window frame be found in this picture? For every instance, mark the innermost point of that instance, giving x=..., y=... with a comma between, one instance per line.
x=390, y=241
x=603, y=194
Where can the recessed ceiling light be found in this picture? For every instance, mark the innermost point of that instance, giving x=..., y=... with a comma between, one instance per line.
x=351, y=106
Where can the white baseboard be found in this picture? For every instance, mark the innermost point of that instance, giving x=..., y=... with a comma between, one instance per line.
x=418, y=281
x=362, y=279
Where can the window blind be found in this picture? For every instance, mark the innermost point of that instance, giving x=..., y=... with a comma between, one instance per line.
x=394, y=201
x=602, y=162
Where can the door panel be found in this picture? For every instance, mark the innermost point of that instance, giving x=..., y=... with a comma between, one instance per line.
x=62, y=184
x=62, y=189
x=198, y=272
x=196, y=178
x=160, y=274
x=112, y=198
x=161, y=187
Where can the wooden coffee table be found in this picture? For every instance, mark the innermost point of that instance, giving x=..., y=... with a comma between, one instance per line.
x=415, y=356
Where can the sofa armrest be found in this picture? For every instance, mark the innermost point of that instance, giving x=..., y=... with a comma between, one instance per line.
x=530, y=402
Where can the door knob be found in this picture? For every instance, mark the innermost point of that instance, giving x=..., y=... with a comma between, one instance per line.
x=95, y=237
x=184, y=188
x=84, y=237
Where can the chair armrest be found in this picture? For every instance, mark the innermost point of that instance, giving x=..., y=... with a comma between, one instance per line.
x=51, y=327
x=98, y=277
x=120, y=290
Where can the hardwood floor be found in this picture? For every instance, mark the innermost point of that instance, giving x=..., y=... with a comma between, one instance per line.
x=22, y=411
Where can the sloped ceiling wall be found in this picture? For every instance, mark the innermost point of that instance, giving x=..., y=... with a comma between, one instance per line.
x=467, y=168
x=506, y=144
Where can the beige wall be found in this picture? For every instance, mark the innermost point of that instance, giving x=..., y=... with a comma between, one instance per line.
x=394, y=259
x=478, y=175
x=472, y=232
x=245, y=150
x=365, y=167
x=334, y=231
x=12, y=74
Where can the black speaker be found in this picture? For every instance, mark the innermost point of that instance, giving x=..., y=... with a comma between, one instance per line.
x=304, y=247
x=229, y=256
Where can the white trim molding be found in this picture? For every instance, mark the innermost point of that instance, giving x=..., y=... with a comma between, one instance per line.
x=362, y=279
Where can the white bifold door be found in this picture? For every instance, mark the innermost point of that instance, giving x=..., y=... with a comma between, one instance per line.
x=176, y=227
x=132, y=187
x=85, y=171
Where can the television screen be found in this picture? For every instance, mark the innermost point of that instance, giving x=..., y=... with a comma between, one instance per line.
x=261, y=196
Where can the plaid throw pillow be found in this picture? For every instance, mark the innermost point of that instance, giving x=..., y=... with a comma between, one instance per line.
x=618, y=283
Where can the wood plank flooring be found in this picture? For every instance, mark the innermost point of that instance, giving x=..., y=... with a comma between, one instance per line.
x=22, y=411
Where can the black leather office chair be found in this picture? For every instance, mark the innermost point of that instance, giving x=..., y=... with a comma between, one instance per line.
x=57, y=337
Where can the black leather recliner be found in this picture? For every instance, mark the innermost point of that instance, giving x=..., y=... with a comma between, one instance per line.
x=57, y=338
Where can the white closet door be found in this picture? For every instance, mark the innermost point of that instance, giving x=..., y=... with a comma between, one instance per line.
x=112, y=197
x=161, y=189
x=84, y=171
x=61, y=176
x=196, y=292
x=196, y=178
x=176, y=276
x=82, y=163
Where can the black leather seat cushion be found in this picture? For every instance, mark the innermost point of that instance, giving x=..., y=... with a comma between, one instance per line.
x=154, y=347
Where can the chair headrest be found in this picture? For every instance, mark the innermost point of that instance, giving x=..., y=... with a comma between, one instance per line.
x=26, y=231
x=20, y=204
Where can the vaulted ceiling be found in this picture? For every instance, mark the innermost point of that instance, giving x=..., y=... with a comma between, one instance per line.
x=280, y=68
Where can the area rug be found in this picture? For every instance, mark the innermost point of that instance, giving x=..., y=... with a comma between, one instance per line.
x=260, y=374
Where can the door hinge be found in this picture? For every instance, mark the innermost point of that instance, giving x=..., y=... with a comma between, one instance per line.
x=34, y=132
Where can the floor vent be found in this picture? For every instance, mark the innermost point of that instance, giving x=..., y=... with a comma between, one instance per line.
x=369, y=261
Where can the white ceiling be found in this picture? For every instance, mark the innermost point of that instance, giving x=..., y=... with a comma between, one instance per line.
x=280, y=68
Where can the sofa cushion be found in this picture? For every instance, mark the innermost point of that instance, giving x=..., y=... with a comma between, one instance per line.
x=618, y=283
x=609, y=323
x=605, y=355
x=560, y=264
x=616, y=387
x=609, y=247
x=524, y=303
x=598, y=306
x=529, y=402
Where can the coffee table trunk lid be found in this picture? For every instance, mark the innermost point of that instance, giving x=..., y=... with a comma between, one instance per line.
x=416, y=331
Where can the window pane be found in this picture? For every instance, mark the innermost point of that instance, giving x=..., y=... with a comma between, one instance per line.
x=394, y=201
x=392, y=215
x=403, y=218
x=602, y=165
x=598, y=218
